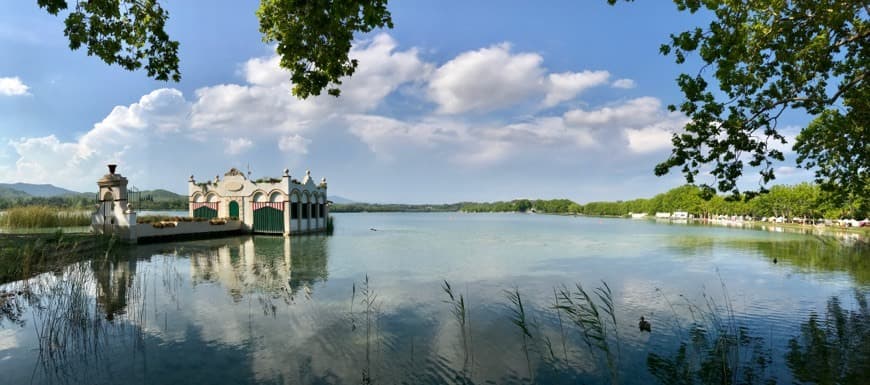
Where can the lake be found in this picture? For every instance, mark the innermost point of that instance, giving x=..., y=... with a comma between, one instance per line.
x=369, y=304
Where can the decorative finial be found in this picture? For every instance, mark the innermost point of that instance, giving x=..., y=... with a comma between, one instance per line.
x=191, y=178
x=287, y=172
x=217, y=178
x=308, y=172
x=112, y=168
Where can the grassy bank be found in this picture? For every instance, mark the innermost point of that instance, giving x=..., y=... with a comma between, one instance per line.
x=31, y=217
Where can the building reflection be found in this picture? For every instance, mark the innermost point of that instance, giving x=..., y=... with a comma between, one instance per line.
x=114, y=279
x=282, y=266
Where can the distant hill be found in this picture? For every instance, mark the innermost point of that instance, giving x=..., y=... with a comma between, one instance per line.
x=39, y=190
x=9, y=193
x=339, y=199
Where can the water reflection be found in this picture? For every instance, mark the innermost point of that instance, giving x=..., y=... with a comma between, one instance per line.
x=834, y=349
x=268, y=266
x=805, y=254
x=266, y=310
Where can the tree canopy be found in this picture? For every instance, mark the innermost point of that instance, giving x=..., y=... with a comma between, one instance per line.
x=313, y=37
x=762, y=58
x=130, y=33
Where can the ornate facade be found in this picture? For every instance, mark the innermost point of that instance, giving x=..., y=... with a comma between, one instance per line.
x=278, y=206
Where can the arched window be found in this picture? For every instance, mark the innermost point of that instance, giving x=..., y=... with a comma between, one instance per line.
x=276, y=197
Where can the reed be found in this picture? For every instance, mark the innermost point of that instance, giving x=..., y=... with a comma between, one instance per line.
x=595, y=319
x=31, y=217
x=461, y=315
x=518, y=318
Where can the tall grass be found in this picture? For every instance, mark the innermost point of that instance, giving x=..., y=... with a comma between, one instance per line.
x=716, y=349
x=518, y=318
x=463, y=320
x=29, y=217
x=595, y=319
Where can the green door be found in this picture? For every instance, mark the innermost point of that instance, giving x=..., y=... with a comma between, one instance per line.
x=234, y=209
x=268, y=220
x=205, y=212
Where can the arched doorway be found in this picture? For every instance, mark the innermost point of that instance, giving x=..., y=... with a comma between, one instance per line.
x=234, y=209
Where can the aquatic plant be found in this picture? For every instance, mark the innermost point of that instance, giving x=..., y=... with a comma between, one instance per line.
x=372, y=315
x=595, y=320
x=715, y=349
x=555, y=306
x=463, y=320
x=518, y=318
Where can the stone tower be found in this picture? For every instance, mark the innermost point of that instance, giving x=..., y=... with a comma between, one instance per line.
x=113, y=215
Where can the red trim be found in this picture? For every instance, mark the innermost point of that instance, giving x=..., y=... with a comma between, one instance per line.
x=274, y=205
x=211, y=205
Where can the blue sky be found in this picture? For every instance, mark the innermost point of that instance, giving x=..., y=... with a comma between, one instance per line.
x=484, y=100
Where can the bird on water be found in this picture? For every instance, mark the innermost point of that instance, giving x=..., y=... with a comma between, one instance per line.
x=644, y=325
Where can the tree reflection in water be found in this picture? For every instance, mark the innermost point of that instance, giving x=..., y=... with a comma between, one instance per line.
x=92, y=312
x=830, y=350
x=834, y=349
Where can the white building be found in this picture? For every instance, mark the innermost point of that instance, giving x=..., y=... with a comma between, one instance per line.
x=680, y=215
x=279, y=206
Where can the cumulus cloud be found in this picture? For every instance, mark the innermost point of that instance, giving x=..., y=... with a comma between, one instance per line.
x=635, y=112
x=266, y=104
x=76, y=163
x=566, y=86
x=624, y=83
x=12, y=86
x=486, y=79
x=493, y=78
x=294, y=143
x=650, y=138
x=464, y=126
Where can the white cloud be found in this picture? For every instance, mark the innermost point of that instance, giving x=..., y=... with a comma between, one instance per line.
x=486, y=79
x=12, y=86
x=77, y=164
x=493, y=78
x=566, y=86
x=624, y=83
x=650, y=138
x=786, y=170
x=237, y=146
x=294, y=143
x=386, y=135
x=267, y=105
x=164, y=129
x=635, y=112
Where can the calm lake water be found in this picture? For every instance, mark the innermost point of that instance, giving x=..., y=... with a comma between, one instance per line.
x=364, y=306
